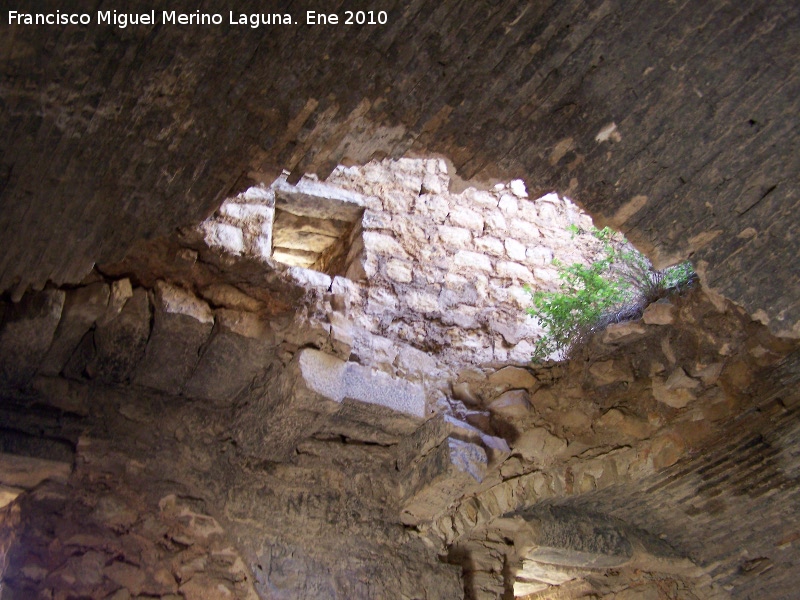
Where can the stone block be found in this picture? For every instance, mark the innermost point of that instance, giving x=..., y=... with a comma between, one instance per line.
x=517, y=187
x=539, y=255
x=610, y=371
x=222, y=235
x=316, y=385
x=228, y=296
x=457, y=237
x=399, y=271
x=490, y=245
x=278, y=417
x=511, y=377
x=466, y=218
x=371, y=393
x=182, y=324
x=535, y=571
x=380, y=243
x=659, y=313
x=246, y=212
x=467, y=393
x=82, y=307
x=319, y=200
x=511, y=404
x=121, y=340
x=301, y=240
x=481, y=198
x=472, y=260
x=434, y=207
x=513, y=270
x=422, y=302
x=515, y=250
x=300, y=258
x=677, y=390
x=508, y=205
x=445, y=474
x=416, y=362
x=623, y=332
x=617, y=423
x=238, y=349
x=525, y=232
x=434, y=431
x=539, y=445
x=496, y=223
x=309, y=278
x=27, y=333
x=567, y=538
x=342, y=334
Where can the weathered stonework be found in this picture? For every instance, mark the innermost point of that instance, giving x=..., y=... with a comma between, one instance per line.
x=185, y=416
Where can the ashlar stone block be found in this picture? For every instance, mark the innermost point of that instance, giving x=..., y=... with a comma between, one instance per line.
x=316, y=386
x=239, y=348
x=120, y=341
x=181, y=326
x=445, y=474
x=27, y=333
x=434, y=431
x=82, y=307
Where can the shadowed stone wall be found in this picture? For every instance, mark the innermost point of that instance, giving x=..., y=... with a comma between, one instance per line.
x=672, y=121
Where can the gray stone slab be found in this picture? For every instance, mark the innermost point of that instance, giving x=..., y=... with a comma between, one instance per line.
x=375, y=388
x=433, y=432
x=445, y=474
x=82, y=307
x=570, y=538
x=317, y=391
x=26, y=334
x=120, y=342
x=182, y=324
x=239, y=348
x=276, y=418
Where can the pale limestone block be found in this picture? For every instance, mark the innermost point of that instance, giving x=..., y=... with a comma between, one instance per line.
x=517, y=187
x=508, y=205
x=514, y=271
x=464, y=217
x=472, y=260
x=223, y=235
x=399, y=271
x=422, y=301
x=455, y=236
x=515, y=249
x=381, y=243
x=490, y=245
x=496, y=223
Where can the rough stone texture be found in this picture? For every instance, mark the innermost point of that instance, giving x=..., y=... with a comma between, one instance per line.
x=82, y=307
x=446, y=473
x=672, y=121
x=238, y=349
x=181, y=325
x=119, y=341
x=642, y=125
x=287, y=452
x=26, y=334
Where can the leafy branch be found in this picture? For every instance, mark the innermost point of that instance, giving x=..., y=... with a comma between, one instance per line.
x=616, y=287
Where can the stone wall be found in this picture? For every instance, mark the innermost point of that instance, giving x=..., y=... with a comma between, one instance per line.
x=671, y=121
x=439, y=271
x=231, y=395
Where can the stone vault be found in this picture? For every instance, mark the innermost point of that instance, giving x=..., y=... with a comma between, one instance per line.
x=244, y=356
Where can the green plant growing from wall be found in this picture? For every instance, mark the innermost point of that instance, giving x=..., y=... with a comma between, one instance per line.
x=615, y=287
